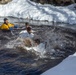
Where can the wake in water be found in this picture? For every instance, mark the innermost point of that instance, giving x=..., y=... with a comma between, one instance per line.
x=54, y=43
x=19, y=58
x=19, y=43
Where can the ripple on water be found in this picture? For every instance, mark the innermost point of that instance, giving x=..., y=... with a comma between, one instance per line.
x=19, y=61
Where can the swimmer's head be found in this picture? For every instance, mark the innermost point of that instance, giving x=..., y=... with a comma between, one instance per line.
x=37, y=41
x=28, y=29
x=27, y=24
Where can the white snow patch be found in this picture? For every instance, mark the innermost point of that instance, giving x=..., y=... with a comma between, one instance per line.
x=66, y=67
x=31, y=10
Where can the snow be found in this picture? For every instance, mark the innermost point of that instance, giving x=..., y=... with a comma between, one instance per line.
x=30, y=10
x=66, y=67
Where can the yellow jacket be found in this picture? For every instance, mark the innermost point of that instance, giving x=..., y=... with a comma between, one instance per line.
x=6, y=26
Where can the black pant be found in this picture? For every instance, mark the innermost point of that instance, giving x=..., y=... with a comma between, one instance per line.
x=5, y=30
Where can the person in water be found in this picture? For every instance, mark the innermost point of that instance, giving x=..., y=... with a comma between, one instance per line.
x=7, y=26
x=36, y=45
x=26, y=33
x=37, y=42
x=27, y=25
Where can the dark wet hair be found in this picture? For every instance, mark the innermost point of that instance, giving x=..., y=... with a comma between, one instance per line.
x=28, y=28
x=26, y=23
x=37, y=41
x=5, y=19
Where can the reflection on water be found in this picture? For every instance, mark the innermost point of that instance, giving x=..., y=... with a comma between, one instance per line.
x=18, y=61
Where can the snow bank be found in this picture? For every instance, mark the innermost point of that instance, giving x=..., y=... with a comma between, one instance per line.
x=31, y=10
x=67, y=67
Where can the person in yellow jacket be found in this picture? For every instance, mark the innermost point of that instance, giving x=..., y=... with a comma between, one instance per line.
x=7, y=26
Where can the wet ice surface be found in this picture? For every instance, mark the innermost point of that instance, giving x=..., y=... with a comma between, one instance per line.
x=60, y=43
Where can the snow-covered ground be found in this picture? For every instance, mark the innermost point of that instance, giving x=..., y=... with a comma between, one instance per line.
x=31, y=10
x=66, y=67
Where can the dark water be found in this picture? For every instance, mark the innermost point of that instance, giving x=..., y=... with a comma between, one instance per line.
x=22, y=62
